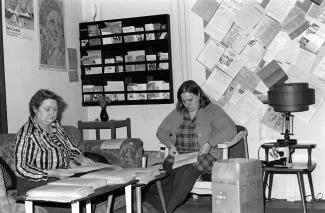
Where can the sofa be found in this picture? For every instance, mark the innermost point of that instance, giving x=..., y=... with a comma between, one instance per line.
x=128, y=155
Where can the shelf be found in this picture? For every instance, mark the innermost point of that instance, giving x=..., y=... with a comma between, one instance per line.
x=127, y=71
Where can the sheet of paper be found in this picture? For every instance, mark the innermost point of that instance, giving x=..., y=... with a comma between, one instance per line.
x=272, y=119
x=211, y=53
x=306, y=116
x=216, y=84
x=237, y=38
x=183, y=159
x=272, y=74
x=274, y=48
x=226, y=60
x=266, y=29
x=220, y=23
x=205, y=8
x=253, y=54
x=247, y=79
x=268, y=134
x=317, y=12
x=242, y=107
x=248, y=16
x=279, y=9
x=112, y=143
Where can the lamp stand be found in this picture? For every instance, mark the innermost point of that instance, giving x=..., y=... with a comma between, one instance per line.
x=287, y=131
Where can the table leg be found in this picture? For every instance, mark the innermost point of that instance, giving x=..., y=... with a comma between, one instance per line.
x=75, y=207
x=88, y=206
x=270, y=186
x=139, y=199
x=128, y=198
x=302, y=191
x=29, y=206
x=311, y=186
x=109, y=203
x=161, y=195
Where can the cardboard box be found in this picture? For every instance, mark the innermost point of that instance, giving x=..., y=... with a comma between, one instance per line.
x=237, y=186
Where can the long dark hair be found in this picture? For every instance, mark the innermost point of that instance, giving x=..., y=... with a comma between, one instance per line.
x=191, y=87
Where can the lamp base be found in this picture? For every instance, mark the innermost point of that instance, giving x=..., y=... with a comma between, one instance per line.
x=286, y=142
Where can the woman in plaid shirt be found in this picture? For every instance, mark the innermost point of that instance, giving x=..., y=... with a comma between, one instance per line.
x=196, y=125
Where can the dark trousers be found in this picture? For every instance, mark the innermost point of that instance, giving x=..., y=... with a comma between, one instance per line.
x=176, y=188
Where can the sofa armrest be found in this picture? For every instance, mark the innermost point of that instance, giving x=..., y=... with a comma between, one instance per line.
x=4, y=202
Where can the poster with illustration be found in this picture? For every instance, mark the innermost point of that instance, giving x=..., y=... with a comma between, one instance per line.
x=51, y=35
x=19, y=18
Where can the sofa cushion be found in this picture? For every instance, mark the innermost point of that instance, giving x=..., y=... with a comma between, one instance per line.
x=128, y=155
x=9, y=176
x=7, y=142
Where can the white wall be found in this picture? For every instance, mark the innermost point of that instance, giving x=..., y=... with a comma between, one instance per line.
x=23, y=77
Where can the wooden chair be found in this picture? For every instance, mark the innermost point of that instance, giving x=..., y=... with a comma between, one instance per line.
x=111, y=124
x=235, y=148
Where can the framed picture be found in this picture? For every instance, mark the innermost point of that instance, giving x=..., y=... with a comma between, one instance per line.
x=51, y=35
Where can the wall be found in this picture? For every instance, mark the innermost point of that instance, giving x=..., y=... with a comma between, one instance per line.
x=24, y=78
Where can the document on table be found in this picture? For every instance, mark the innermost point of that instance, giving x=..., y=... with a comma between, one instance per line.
x=59, y=193
x=82, y=169
x=184, y=159
x=77, y=181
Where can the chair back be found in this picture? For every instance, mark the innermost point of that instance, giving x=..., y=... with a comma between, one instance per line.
x=112, y=125
x=239, y=150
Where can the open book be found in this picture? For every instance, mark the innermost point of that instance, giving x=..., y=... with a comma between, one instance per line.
x=60, y=193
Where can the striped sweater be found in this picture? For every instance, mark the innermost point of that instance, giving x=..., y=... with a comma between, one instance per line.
x=37, y=151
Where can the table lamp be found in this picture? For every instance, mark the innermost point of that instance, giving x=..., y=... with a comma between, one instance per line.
x=288, y=98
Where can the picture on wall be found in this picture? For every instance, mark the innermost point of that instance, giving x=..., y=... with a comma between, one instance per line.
x=19, y=18
x=51, y=35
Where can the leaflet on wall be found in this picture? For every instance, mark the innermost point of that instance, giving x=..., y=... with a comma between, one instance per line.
x=295, y=23
x=19, y=18
x=253, y=54
x=279, y=9
x=272, y=74
x=216, y=84
x=220, y=23
x=211, y=53
x=248, y=103
x=249, y=15
x=272, y=119
x=266, y=30
x=237, y=38
x=205, y=8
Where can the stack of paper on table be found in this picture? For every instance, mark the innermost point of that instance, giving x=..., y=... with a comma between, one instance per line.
x=77, y=181
x=144, y=175
x=82, y=169
x=111, y=176
x=59, y=193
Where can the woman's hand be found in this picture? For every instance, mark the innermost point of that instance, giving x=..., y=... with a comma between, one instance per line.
x=172, y=151
x=84, y=161
x=205, y=149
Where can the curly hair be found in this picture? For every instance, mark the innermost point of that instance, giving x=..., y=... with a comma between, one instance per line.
x=44, y=94
x=191, y=86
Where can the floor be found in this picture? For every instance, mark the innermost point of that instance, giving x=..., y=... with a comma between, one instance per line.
x=204, y=205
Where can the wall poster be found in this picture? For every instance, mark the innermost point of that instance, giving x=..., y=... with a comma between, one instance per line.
x=51, y=35
x=19, y=18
